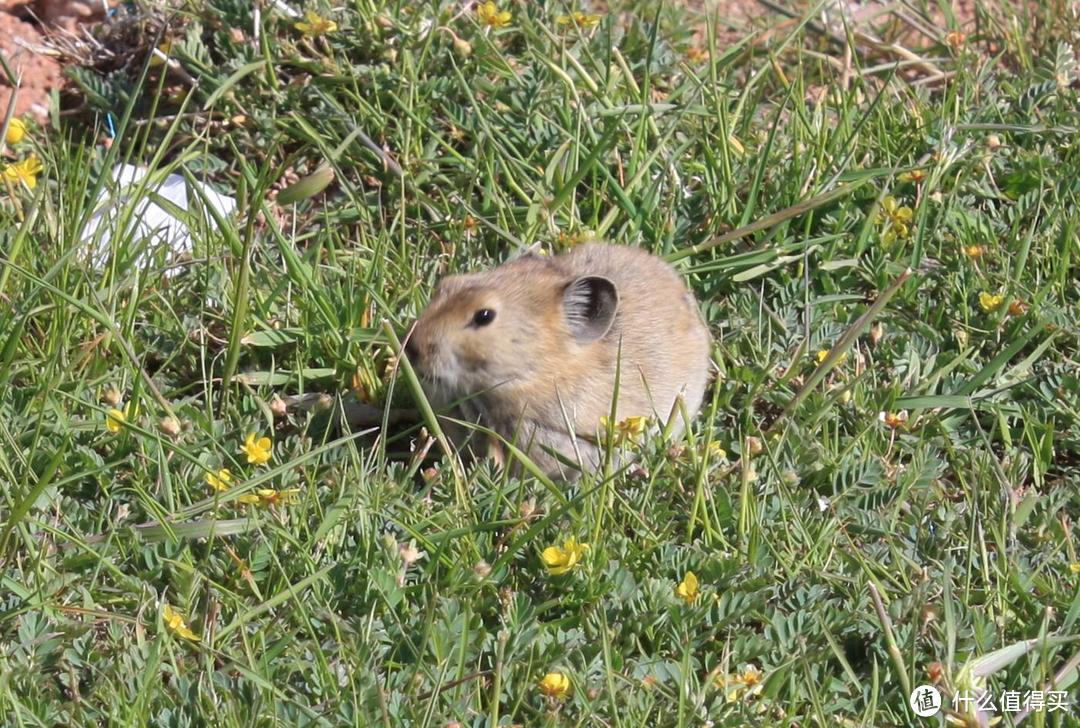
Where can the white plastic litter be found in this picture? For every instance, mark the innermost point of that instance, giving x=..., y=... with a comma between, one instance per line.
x=150, y=226
x=285, y=9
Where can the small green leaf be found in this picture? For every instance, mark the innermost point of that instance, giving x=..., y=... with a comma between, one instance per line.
x=307, y=187
x=271, y=338
x=205, y=528
x=277, y=378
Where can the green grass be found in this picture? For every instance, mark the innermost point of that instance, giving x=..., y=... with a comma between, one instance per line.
x=759, y=168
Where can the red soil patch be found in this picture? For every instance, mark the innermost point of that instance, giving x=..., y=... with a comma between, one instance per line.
x=22, y=45
x=38, y=73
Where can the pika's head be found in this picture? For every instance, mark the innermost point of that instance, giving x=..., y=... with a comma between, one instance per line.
x=510, y=327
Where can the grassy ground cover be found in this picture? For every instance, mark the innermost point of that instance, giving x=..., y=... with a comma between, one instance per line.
x=881, y=492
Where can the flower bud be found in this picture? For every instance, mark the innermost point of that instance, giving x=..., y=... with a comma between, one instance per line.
x=462, y=48
x=170, y=426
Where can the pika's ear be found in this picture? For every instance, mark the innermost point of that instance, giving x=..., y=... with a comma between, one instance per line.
x=449, y=284
x=590, y=303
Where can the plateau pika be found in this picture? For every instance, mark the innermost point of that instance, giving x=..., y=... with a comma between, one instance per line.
x=530, y=348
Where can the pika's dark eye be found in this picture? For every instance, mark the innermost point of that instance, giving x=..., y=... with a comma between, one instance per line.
x=483, y=317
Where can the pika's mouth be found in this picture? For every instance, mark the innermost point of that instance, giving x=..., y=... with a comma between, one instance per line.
x=445, y=389
x=440, y=389
x=428, y=372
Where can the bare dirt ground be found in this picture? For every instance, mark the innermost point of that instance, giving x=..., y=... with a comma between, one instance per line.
x=737, y=17
x=25, y=23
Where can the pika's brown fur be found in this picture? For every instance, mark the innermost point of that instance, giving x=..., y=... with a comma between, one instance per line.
x=539, y=367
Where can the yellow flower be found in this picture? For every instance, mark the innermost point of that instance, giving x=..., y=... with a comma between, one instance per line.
x=716, y=451
x=175, y=621
x=269, y=497
x=1075, y=567
x=915, y=175
x=893, y=420
x=25, y=171
x=16, y=131
x=746, y=683
x=750, y=676
x=823, y=354
x=115, y=418
x=688, y=589
x=974, y=251
x=580, y=19
x=219, y=481
x=315, y=25
x=895, y=219
x=990, y=301
x=278, y=497
x=560, y=560
x=632, y=428
x=555, y=685
x=489, y=14
x=257, y=451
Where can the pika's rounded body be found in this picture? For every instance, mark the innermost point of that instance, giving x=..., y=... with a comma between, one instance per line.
x=530, y=349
